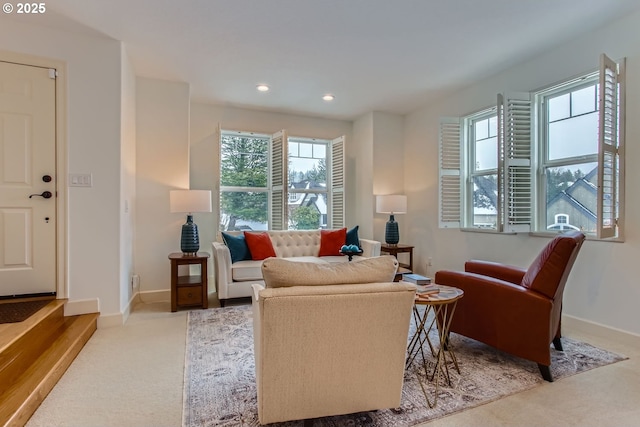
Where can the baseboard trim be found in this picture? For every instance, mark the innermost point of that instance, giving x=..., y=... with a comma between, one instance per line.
x=155, y=296
x=587, y=326
x=84, y=306
x=110, y=320
x=87, y=306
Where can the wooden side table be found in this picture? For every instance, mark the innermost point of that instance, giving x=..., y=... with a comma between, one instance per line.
x=189, y=290
x=395, y=250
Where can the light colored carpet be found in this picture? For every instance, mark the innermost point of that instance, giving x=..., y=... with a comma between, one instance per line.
x=124, y=376
x=220, y=382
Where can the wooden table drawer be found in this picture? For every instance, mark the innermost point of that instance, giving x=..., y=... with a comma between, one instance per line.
x=190, y=295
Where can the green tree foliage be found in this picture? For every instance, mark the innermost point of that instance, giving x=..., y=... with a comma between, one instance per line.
x=305, y=218
x=317, y=174
x=243, y=163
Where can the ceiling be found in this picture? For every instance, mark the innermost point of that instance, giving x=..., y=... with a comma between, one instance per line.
x=374, y=55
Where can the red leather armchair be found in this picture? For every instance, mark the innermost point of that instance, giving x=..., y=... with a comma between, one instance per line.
x=512, y=309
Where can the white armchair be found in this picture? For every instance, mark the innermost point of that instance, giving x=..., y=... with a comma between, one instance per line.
x=329, y=349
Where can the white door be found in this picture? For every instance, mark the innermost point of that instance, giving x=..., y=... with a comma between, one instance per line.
x=27, y=167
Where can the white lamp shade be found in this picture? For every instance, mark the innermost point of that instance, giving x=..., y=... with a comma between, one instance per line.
x=190, y=201
x=391, y=204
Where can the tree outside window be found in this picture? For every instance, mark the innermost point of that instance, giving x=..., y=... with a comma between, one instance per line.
x=243, y=182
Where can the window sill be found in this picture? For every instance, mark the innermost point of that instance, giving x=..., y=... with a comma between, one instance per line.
x=486, y=231
x=590, y=237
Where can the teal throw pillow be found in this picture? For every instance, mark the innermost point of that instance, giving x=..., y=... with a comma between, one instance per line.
x=352, y=237
x=237, y=247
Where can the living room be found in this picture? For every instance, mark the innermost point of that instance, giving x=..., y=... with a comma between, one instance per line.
x=141, y=137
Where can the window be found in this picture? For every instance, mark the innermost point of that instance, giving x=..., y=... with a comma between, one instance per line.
x=542, y=161
x=567, y=181
x=482, y=187
x=307, y=208
x=279, y=182
x=243, y=181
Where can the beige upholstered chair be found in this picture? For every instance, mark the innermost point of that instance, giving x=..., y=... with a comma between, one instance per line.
x=328, y=349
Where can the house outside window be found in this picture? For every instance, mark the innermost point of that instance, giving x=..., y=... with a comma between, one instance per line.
x=277, y=182
x=539, y=159
x=307, y=169
x=569, y=155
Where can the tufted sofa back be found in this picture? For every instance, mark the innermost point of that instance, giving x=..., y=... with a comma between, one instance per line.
x=292, y=243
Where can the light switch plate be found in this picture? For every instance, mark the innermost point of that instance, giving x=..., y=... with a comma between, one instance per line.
x=80, y=180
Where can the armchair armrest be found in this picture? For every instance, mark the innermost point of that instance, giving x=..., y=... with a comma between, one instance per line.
x=370, y=248
x=496, y=270
x=516, y=304
x=222, y=266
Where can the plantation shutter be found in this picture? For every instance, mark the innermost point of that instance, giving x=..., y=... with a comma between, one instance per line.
x=609, y=143
x=336, y=206
x=278, y=200
x=449, y=173
x=514, y=138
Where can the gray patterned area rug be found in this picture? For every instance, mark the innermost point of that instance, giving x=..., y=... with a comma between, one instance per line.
x=219, y=378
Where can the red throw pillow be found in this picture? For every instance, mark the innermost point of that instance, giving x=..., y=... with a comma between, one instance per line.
x=331, y=241
x=259, y=245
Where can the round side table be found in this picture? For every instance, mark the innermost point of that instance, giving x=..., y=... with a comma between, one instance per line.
x=443, y=305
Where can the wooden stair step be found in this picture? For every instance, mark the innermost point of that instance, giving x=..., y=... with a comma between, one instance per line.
x=42, y=369
x=23, y=342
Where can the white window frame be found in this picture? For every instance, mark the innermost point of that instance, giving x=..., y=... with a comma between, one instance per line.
x=544, y=162
x=326, y=191
x=277, y=178
x=520, y=163
x=470, y=159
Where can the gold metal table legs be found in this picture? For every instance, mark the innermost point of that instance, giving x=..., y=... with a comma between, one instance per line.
x=443, y=310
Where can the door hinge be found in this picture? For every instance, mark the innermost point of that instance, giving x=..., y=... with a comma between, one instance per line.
x=53, y=73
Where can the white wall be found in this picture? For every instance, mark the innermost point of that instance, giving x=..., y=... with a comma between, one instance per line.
x=93, y=124
x=360, y=172
x=602, y=287
x=388, y=172
x=377, y=165
x=162, y=164
x=205, y=120
x=127, y=178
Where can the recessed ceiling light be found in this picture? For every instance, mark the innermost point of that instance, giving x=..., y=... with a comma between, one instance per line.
x=328, y=97
x=262, y=87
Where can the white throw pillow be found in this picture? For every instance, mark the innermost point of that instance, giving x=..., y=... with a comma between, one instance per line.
x=278, y=272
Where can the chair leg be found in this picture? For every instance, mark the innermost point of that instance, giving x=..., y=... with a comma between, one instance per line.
x=546, y=372
x=557, y=344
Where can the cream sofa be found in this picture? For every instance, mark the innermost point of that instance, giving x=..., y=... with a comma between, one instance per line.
x=234, y=280
x=329, y=349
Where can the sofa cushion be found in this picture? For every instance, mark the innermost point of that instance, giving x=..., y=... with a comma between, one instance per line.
x=312, y=259
x=352, y=237
x=237, y=246
x=278, y=272
x=331, y=241
x=260, y=245
x=243, y=271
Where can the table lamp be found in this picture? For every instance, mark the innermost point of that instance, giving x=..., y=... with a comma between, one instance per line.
x=391, y=204
x=189, y=201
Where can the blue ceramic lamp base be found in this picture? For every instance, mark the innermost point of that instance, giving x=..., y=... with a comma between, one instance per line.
x=391, y=234
x=190, y=242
